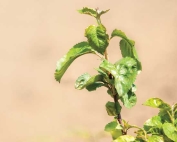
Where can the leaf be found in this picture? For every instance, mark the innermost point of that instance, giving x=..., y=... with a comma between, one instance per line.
x=127, y=72
x=153, y=125
x=94, y=86
x=63, y=64
x=155, y=138
x=125, y=138
x=97, y=38
x=92, y=12
x=111, y=108
x=121, y=34
x=157, y=103
x=164, y=114
x=86, y=80
x=124, y=72
x=88, y=11
x=112, y=126
x=129, y=51
x=129, y=99
x=170, y=131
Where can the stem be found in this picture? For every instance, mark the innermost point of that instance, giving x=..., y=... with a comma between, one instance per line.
x=106, y=54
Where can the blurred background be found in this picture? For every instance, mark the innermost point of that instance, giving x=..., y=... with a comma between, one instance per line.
x=36, y=33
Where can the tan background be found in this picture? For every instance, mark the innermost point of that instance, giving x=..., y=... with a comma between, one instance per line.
x=34, y=34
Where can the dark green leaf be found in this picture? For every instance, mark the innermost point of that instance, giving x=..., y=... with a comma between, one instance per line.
x=153, y=125
x=94, y=86
x=175, y=110
x=121, y=34
x=86, y=80
x=164, y=114
x=88, y=11
x=111, y=108
x=129, y=99
x=157, y=103
x=63, y=64
x=155, y=138
x=97, y=38
x=170, y=131
x=125, y=138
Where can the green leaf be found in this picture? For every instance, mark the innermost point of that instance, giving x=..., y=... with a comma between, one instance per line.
x=125, y=138
x=97, y=38
x=124, y=72
x=86, y=80
x=153, y=125
x=157, y=103
x=127, y=72
x=63, y=64
x=129, y=99
x=164, y=114
x=112, y=126
x=88, y=11
x=155, y=138
x=121, y=34
x=129, y=51
x=111, y=108
x=170, y=131
x=94, y=86
x=175, y=110
x=92, y=12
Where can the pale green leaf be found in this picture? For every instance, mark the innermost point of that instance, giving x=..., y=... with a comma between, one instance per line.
x=125, y=138
x=97, y=38
x=170, y=131
x=157, y=103
x=76, y=51
x=112, y=126
x=155, y=138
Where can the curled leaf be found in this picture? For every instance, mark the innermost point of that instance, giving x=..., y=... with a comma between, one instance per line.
x=76, y=51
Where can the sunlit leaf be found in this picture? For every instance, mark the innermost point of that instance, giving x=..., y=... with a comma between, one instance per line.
x=97, y=37
x=124, y=72
x=76, y=51
x=170, y=131
x=155, y=138
x=111, y=108
x=125, y=138
x=127, y=72
x=157, y=103
x=153, y=125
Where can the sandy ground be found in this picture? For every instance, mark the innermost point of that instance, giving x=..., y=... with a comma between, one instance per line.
x=36, y=33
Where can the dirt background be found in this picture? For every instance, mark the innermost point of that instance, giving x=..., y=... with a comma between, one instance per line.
x=34, y=34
